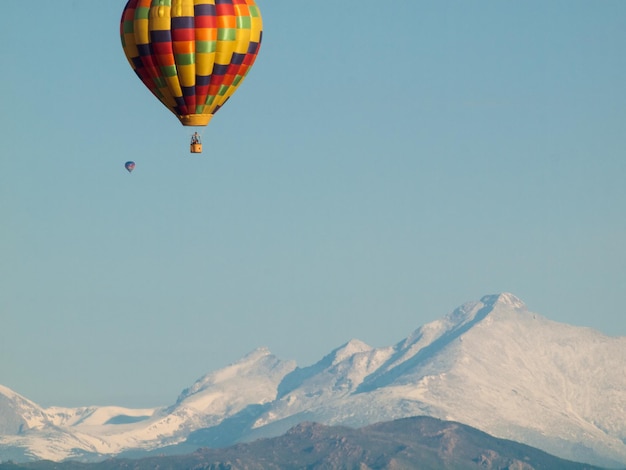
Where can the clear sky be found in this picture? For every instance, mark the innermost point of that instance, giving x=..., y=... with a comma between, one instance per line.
x=383, y=163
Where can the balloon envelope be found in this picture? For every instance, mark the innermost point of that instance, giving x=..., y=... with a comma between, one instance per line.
x=130, y=166
x=191, y=54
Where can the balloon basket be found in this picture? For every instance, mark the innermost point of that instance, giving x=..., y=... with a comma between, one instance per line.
x=196, y=148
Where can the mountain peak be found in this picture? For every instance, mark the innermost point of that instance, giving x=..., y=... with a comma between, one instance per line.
x=255, y=355
x=352, y=347
x=471, y=313
x=259, y=364
x=491, y=364
x=504, y=299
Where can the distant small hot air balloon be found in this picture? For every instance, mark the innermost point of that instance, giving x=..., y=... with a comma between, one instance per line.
x=130, y=166
x=191, y=54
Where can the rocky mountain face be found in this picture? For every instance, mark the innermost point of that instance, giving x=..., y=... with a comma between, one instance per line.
x=490, y=364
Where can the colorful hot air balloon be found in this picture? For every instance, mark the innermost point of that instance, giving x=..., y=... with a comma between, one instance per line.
x=130, y=166
x=191, y=54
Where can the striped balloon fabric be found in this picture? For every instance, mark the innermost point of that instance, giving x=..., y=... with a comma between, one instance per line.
x=191, y=54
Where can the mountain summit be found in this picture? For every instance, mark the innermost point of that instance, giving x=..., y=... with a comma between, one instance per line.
x=491, y=364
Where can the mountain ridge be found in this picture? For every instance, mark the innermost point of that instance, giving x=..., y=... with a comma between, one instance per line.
x=557, y=387
x=419, y=442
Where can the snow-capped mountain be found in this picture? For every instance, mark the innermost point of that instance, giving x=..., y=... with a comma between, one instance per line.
x=490, y=364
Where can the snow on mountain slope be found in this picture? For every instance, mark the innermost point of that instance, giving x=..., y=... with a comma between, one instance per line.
x=18, y=413
x=88, y=433
x=520, y=376
x=97, y=415
x=254, y=379
x=342, y=369
x=310, y=393
x=490, y=364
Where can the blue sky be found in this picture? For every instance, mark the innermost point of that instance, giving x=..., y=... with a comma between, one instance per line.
x=383, y=163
